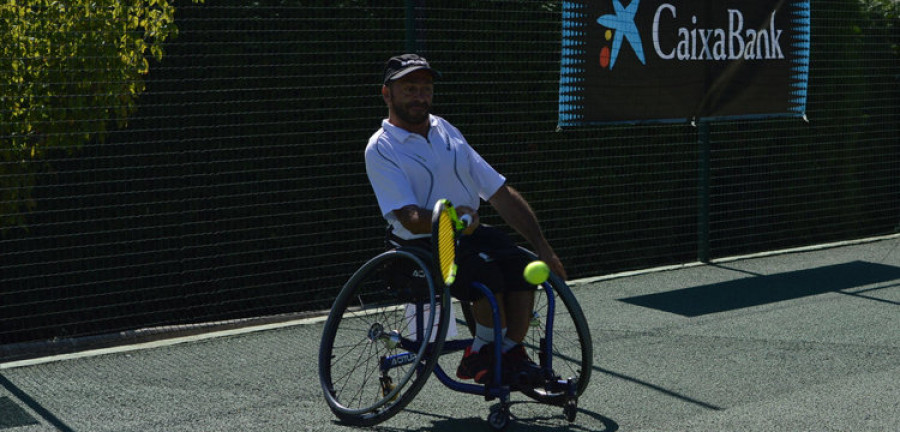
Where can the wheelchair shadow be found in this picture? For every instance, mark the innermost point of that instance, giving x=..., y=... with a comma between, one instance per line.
x=552, y=421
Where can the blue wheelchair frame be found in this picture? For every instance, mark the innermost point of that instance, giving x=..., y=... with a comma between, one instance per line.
x=417, y=351
x=496, y=389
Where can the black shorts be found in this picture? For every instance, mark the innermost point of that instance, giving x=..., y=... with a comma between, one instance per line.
x=487, y=256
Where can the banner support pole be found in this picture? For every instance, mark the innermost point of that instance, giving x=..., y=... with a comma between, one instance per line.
x=414, y=31
x=410, y=26
x=703, y=191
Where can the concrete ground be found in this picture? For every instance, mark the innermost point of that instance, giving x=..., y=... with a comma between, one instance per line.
x=801, y=341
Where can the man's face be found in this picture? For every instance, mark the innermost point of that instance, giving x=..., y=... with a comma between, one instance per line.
x=409, y=98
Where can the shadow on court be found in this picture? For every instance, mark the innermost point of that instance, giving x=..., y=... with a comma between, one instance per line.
x=764, y=289
x=12, y=415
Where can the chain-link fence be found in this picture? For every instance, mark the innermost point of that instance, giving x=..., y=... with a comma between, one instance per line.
x=225, y=179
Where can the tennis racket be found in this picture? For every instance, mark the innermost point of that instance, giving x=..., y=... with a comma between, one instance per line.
x=446, y=230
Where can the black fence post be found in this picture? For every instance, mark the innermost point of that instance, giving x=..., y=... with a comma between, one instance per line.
x=414, y=30
x=703, y=191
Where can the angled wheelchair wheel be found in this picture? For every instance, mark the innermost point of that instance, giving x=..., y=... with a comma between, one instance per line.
x=374, y=356
x=572, y=349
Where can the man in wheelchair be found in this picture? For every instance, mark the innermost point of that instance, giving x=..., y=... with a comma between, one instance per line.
x=416, y=158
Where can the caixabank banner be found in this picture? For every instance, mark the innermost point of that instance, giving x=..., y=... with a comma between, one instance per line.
x=665, y=60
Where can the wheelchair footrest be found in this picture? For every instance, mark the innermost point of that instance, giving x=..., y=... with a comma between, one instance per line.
x=531, y=378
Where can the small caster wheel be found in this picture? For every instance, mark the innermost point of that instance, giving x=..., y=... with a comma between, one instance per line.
x=387, y=386
x=499, y=418
x=570, y=410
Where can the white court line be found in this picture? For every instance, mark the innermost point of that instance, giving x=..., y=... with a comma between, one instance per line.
x=315, y=320
x=159, y=343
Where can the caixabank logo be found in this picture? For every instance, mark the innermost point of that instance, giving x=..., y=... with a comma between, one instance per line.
x=620, y=28
x=668, y=60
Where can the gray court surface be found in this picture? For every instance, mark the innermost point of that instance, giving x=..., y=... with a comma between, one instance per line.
x=802, y=341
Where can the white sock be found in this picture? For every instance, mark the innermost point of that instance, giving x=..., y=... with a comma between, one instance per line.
x=485, y=335
x=508, y=343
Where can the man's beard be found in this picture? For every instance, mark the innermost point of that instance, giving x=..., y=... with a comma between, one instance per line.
x=407, y=116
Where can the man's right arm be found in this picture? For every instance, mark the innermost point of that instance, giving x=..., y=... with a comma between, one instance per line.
x=415, y=219
x=392, y=189
x=418, y=220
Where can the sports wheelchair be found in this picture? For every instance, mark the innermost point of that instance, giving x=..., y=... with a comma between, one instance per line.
x=381, y=343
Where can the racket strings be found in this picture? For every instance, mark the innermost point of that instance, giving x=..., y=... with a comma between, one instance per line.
x=446, y=247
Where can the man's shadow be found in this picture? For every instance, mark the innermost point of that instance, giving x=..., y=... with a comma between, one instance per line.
x=550, y=419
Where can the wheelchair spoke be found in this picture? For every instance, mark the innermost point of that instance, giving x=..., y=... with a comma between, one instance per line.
x=368, y=364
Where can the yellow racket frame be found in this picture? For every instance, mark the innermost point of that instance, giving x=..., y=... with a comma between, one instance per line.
x=446, y=227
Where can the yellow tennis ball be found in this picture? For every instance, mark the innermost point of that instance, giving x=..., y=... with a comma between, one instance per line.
x=536, y=272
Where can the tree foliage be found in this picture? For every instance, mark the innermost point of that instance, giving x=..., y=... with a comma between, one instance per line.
x=885, y=16
x=70, y=69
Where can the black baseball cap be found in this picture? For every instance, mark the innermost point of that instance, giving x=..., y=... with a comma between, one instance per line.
x=400, y=66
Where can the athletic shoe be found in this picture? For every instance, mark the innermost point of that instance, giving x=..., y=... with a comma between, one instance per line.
x=477, y=365
x=519, y=368
x=517, y=358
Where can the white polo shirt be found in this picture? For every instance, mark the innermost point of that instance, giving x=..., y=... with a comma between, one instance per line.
x=406, y=168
